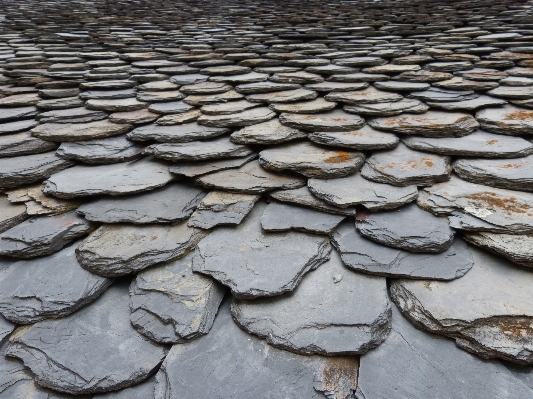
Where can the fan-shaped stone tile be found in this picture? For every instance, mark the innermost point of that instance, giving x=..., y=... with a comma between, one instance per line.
x=71, y=115
x=60, y=132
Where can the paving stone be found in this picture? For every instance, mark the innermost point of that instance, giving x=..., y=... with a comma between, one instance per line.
x=332, y=121
x=27, y=169
x=98, y=151
x=55, y=350
x=285, y=96
x=117, y=179
x=402, y=166
x=171, y=304
x=497, y=322
x=492, y=208
x=221, y=208
x=240, y=253
x=43, y=235
x=366, y=96
x=515, y=247
x=172, y=203
x=270, y=132
x=175, y=134
x=509, y=120
x=59, y=132
x=305, y=107
x=10, y=214
x=71, y=115
x=356, y=190
x=119, y=249
x=388, y=109
x=50, y=287
x=430, y=124
x=311, y=160
x=435, y=366
x=477, y=144
x=288, y=322
x=366, y=256
x=238, y=119
x=408, y=228
x=23, y=144
x=198, y=168
x=199, y=150
x=302, y=196
x=511, y=174
x=227, y=350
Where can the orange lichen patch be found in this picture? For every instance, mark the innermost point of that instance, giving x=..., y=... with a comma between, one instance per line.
x=511, y=166
x=396, y=121
x=509, y=204
x=362, y=215
x=520, y=115
x=516, y=328
x=491, y=142
x=342, y=156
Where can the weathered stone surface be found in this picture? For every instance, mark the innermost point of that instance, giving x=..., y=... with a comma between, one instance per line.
x=311, y=160
x=337, y=86
x=496, y=323
x=289, y=322
x=253, y=263
x=419, y=365
x=265, y=87
x=221, y=208
x=160, y=96
x=477, y=144
x=512, y=174
x=107, y=94
x=170, y=107
x=388, y=108
x=430, y=124
x=366, y=96
x=284, y=217
x=227, y=108
x=117, y=179
x=508, y=120
x=228, y=351
x=285, y=96
x=7, y=114
x=401, y=86
x=199, y=150
x=238, y=119
x=175, y=134
x=10, y=214
x=402, y=166
x=27, y=169
x=133, y=117
x=300, y=77
x=204, y=99
x=141, y=390
x=409, y=228
x=17, y=126
x=50, y=287
x=365, y=138
x=270, y=132
x=23, y=144
x=198, y=168
x=249, y=179
x=302, y=196
x=79, y=131
x=38, y=203
x=515, y=247
x=71, y=115
x=204, y=88
x=178, y=119
x=172, y=203
x=437, y=95
x=332, y=121
x=512, y=92
x=366, y=256
x=120, y=249
x=468, y=105
x=493, y=208
x=98, y=151
x=356, y=190
x=56, y=350
x=304, y=107
x=457, y=83
x=116, y=105
x=170, y=304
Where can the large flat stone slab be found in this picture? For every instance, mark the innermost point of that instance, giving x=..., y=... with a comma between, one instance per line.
x=59, y=132
x=56, y=350
x=101, y=151
x=170, y=304
x=217, y=148
x=310, y=320
x=175, y=133
x=253, y=263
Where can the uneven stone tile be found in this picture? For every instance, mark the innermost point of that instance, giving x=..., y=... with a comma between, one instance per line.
x=227, y=108
x=27, y=169
x=458, y=83
x=336, y=86
x=283, y=217
x=299, y=77
x=356, y=190
x=229, y=351
x=160, y=96
x=133, y=117
x=360, y=61
x=10, y=214
x=205, y=99
x=60, y=132
x=43, y=235
x=423, y=76
x=23, y=144
x=430, y=124
x=434, y=366
x=20, y=100
x=468, y=105
x=493, y=208
x=170, y=107
x=56, y=350
x=401, y=86
x=408, y=228
x=221, y=208
x=285, y=96
x=311, y=160
x=366, y=96
x=175, y=134
x=204, y=88
x=509, y=120
x=302, y=196
x=304, y=107
x=515, y=247
x=366, y=256
x=251, y=77
x=363, y=139
x=270, y=132
x=290, y=323
x=496, y=323
x=118, y=249
x=238, y=119
x=178, y=119
x=170, y=304
x=198, y=168
x=402, y=166
x=50, y=287
x=172, y=203
x=253, y=263
x=435, y=94
x=141, y=390
x=71, y=115
x=60, y=103
x=38, y=203
x=332, y=121
x=117, y=179
x=388, y=109
x=265, y=87
x=198, y=150
x=8, y=114
x=107, y=94
x=101, y=151
x=188, y=79
x=477, y=144
x=17, y=126
x=512, y=92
